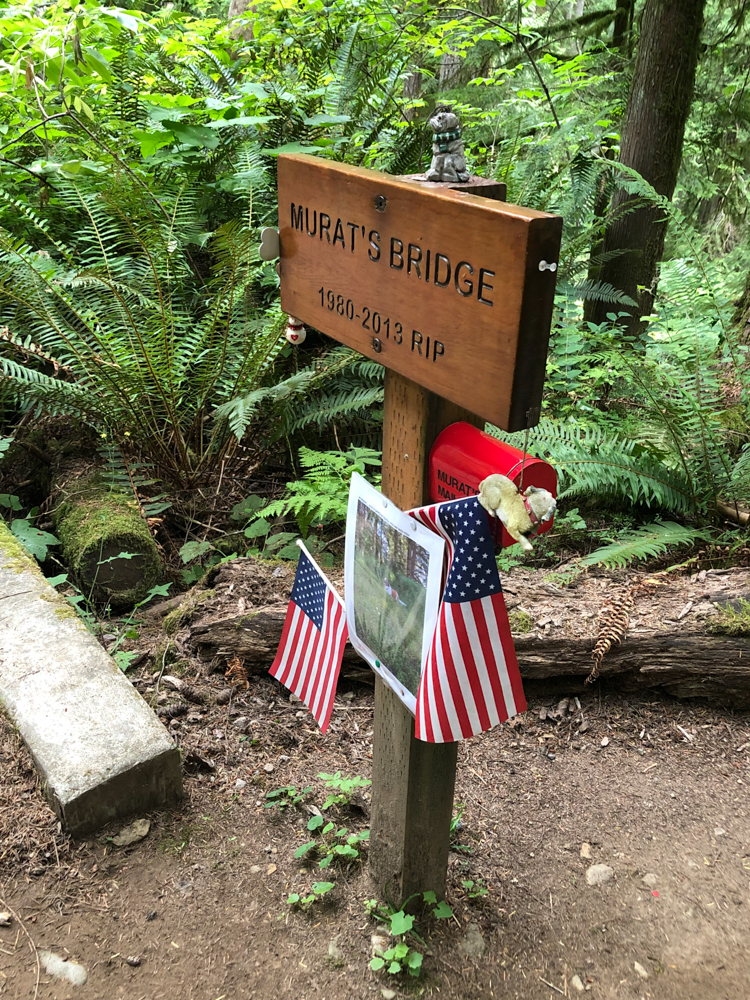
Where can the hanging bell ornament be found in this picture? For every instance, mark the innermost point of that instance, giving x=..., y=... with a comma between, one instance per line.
x=295, y=331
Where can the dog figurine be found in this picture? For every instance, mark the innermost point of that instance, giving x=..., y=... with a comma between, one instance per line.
x=391, y=592
x=448, y=158
x=522, y=514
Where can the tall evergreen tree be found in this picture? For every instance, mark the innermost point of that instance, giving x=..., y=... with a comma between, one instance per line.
x=658, y=107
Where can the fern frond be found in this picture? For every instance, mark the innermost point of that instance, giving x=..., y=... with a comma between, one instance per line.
x=646, y=542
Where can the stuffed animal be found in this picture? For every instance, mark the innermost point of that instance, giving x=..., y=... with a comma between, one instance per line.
x=448, y=158
x=522, y=514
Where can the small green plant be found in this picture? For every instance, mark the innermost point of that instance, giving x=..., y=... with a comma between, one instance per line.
x=456, y=822
x=521, y=622
x=125, y=630
x=403, y=956
x=34, y=540
x=732, y=621
x=191, y=551
x=283, y=798
x=333, y=845
x=456, y=828
x=343, y=788
x=475, y=889
x=322, y=495
x=319, y=889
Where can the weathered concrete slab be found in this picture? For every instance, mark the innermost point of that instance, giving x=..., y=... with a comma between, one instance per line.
x=101, y=751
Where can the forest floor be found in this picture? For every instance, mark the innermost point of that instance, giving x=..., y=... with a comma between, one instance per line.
x=654, y=788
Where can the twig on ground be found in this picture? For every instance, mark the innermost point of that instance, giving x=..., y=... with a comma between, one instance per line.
x=21, y=924
x=555, y=988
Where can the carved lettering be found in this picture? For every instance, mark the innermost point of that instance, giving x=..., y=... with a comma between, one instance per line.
x=468, y=285
x=416, y=341
x=483, y=284
x=374, y=240
x=423, y=262
x=446, y=260
x=397, y=254
x=438, y=350
x=414, y=255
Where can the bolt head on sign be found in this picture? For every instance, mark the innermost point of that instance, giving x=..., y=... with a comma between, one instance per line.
x=441, y=286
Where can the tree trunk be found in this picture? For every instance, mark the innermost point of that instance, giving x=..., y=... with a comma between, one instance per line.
x=742, y=314
x=622, y=28
x=658, y=106
x=105, y=541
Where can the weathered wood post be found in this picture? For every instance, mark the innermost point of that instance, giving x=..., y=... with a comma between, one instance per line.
x=412, y=781
x=453, y=293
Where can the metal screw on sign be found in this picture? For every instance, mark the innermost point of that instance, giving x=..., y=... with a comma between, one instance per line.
x=377, y=345
x=380, y=201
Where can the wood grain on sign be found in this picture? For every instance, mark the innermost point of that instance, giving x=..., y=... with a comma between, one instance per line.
x=439, y=285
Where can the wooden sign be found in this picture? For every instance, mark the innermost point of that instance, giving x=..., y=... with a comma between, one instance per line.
x=451, y=290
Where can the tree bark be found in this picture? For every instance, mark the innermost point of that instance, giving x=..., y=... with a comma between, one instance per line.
x=658, y=107
x=742, y=313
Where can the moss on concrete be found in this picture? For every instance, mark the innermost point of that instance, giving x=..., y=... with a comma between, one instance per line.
x=13, y=555
x=95, y=524
x=66, y=612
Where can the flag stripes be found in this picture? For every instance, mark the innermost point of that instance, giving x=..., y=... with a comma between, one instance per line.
x=309, y=656
x=471, y=681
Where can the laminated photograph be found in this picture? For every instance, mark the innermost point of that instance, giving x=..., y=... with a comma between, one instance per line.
x=393, y=575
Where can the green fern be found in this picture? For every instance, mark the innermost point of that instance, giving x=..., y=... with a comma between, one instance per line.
x=142, y=347
x=596, y=461
x=322, y=495
x=645, y=542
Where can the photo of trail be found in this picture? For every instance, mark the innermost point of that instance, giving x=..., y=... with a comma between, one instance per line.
x=390, y=588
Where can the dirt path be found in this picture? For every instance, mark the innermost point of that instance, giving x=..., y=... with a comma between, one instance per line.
x=202, y=901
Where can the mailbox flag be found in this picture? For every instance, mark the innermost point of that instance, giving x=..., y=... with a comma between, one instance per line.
x=471, y=681
x=309, y=656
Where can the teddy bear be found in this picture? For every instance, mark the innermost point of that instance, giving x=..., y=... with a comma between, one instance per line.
x=448, y=159
x=522, y=514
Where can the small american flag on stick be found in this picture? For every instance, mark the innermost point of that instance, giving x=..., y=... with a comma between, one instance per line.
x=309, y=656
x=471, y=680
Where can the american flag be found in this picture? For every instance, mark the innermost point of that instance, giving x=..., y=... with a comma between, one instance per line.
x=309, y=656
x=471, y=680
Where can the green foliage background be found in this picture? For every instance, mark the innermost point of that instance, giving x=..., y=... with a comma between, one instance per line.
x=137, y=166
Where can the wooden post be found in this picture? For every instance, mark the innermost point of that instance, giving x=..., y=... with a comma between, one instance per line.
x=412, y=781
x=453, y=292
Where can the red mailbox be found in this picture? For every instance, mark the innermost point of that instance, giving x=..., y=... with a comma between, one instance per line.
x=463, y=456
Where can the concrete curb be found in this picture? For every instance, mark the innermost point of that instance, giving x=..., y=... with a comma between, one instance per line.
x=99, y=748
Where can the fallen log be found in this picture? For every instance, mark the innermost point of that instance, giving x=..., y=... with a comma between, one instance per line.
x=692, y=665
x=105, y=541
x=670, y=646
x=253, y=636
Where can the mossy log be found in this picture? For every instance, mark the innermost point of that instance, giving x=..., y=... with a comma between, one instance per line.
x=105, y=541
